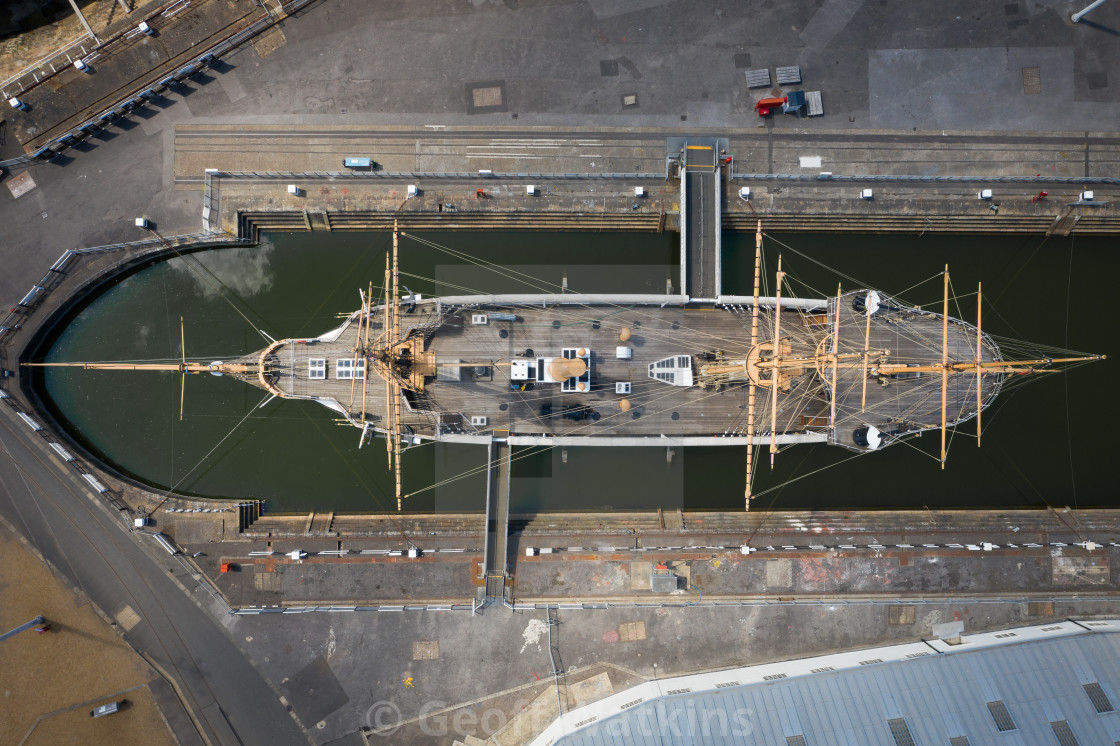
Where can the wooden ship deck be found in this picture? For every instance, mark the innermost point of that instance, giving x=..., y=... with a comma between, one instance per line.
x=467, y=390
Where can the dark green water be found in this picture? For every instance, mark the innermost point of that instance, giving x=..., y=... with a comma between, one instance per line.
x=1047, y=443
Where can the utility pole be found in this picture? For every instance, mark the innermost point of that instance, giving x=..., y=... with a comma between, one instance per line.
x=1076, y=17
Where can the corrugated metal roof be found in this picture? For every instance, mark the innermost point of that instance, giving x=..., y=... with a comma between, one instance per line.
x=941, y=697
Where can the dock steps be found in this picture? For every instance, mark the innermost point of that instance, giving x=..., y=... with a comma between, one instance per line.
x=250, y=224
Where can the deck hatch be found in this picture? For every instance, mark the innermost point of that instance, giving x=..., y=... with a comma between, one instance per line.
x=675, y=370
x=317, y=368
x=344, y=369
x=959, y=741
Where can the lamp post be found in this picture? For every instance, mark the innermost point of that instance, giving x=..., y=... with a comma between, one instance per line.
x=1076, y=17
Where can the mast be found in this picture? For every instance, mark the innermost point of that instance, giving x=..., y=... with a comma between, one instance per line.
x=183, y=376
x=775, y=375
x=365, y=356
x=754, y=341
x=391, y=381
x=357, y=345
x=385, y=342
x=866, y=352
x=944, y=363
x=835, y=358
x=978, y=398
x=232, y=369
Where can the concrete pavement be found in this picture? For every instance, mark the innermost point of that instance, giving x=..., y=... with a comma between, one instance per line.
x=177, y=631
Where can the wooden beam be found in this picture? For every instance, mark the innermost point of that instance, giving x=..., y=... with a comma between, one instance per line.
x=944, y=363
x=392, y=380
x=183, y=375
x=775, y=374
x=866, y=352
x=751, y=388
x=979, y=359
x=354, y=364
x=835, y=358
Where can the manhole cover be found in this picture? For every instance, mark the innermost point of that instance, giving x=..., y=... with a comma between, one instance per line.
x=1032, y=81
x=425, y=650
x=486, y=97
x=21, y=185
x=631, y=631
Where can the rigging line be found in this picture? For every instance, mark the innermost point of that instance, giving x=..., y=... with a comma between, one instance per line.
x=906, y=441
x=477, y=470
x=491, y=265
x=679, y=336
x=220, y=293
x=167, y=494
x=343, y=277
x=170, y=343
x=804, y=476
x=361, y=480
x=901, y=295
x=1009, y=283
x=557, y=309
x=1065, y=381
x=508, y=273
x=837, y=272
x=768, y=511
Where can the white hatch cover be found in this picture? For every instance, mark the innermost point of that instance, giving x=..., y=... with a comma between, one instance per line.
x=675, y=371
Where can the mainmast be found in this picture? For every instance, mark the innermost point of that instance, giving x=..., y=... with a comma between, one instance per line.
x=394, y=386
x=978, y=361
x=754, y=342
x=775, y=380
x=945, y=363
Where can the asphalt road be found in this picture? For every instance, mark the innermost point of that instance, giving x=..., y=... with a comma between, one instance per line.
x=233, y=702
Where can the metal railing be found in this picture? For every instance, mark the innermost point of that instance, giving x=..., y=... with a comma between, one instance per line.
x=439, y=175
x=15, y=85
x=821, y=600
x=138, y=97
x=827, y=177
x=17, y=316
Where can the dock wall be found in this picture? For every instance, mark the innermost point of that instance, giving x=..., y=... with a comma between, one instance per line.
x=251, y=224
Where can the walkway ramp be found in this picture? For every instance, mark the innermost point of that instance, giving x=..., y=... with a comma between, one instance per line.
x=701, y=206
x=495, y=560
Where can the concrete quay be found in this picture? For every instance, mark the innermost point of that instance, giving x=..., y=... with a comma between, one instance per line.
x=921, y=181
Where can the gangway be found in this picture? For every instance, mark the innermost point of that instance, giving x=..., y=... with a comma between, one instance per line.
x=701, y=208
x=497, y=517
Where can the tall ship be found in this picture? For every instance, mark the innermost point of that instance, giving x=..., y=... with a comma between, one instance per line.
x=859, y=370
